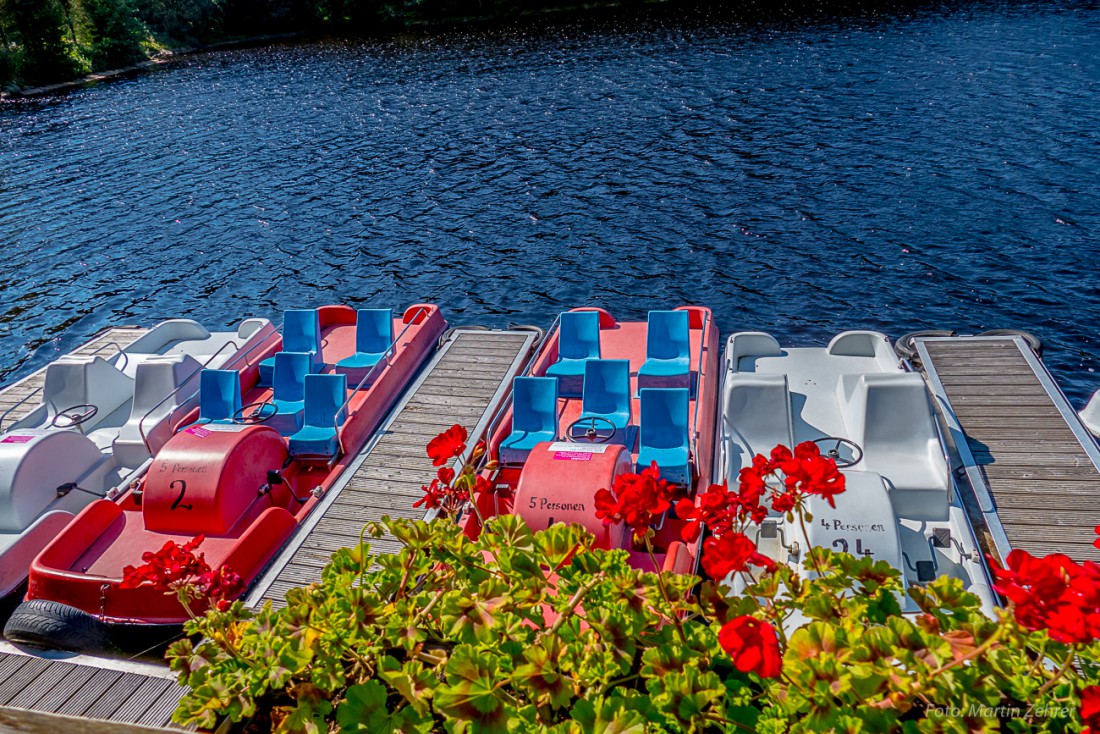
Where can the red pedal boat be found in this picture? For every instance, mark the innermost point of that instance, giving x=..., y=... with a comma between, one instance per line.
x=604, y=398
x=244, y=473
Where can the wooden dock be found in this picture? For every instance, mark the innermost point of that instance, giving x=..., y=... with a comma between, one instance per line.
x=1034, y=468
x=19, y=397
x=115, y=691
x=465, y=383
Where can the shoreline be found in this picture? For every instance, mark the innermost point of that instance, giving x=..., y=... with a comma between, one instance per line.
x=164, y=57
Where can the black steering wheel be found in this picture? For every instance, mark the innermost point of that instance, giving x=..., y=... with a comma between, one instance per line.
x=262, y=411
x=853, y=454
x=592, y=433
x=74, y=416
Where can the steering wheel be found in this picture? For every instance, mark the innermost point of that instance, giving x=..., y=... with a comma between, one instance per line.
x=262, y=411
x=592, y=433
x=74, y=416
x=854, y=454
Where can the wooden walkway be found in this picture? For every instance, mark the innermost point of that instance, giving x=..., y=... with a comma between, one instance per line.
x=1034, y=467
x=17, y=397
x=119, y=692
x=465, y=383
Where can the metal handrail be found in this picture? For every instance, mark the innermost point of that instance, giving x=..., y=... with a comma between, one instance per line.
x=141, y=421
x=25, y=399
x=116, y=345
x=390, y=350
x=698, y=384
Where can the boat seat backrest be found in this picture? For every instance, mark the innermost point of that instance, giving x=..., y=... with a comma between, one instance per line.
x=535, y=404
x=750, y=344
x=79, y=380
x=756, y=416
x=871, y=344
x=579, y=335
x=891, y=418
x=158, y=377
x=161, y=384
x=373, y=330
x=302, y=331
x=291, y=369
x=167, y=334
x=664, y=418
x=606, y=386
x=219, y=394
x=667, y=335
x=324, y=396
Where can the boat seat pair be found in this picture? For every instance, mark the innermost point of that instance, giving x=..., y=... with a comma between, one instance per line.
x=315, y=422
x=668, y=351
x=606, y=398
x=301, y=333
x=373, y=341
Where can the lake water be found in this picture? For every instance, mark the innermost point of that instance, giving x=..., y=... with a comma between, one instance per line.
x=934, y=167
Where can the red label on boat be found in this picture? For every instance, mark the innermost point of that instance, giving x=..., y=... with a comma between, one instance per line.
x=17, y=439
x=199, y=431
x=572, y=456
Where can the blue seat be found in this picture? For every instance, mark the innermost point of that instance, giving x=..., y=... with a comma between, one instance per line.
x=219, y=395
x=534, y=417
x=578, y=342
x=373, y=338
x=667, y=351
x=663, y=436
x=288, y=393
x=324, y=396
x=301, y=333
x=607, y=396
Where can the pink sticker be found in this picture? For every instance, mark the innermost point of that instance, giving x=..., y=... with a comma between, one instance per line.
x=17, y=439
x=572, y=456
x=199, y=431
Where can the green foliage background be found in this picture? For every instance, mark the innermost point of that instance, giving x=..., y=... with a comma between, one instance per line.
x=46, y=41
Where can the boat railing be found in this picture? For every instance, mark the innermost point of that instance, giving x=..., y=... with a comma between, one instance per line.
x=119, y=353
x=368, y=378
x=25, y=398
x=166, y=398
x=528, y=365
x=698, y=386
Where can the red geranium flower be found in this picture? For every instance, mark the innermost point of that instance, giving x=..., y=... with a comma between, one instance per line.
x=1052, y=593
x=167, y=568
x=447, y=445
x=636, y=499
x=1097, y=541
x=221, y=586
x=732, y=552
x=753, y=646
x=1090, y=710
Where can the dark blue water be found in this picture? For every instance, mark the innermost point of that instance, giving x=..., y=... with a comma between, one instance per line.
x=925, y=168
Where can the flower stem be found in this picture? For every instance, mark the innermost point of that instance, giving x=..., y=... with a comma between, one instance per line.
x=664, y=591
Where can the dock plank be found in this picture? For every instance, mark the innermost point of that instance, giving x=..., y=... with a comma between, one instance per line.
x=1025, y=449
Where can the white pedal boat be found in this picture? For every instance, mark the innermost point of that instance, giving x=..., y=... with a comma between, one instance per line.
x=858, y=402
x=100, y=421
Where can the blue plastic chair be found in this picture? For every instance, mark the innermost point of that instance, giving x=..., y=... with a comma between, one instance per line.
x=219, y=395
x=607, y=396
x=288, y=392
x=324, y=396
x=373, y=337
x=301, y=333
x=667, y=351
x=578, y=342
x=663, y=436
x=534, y=417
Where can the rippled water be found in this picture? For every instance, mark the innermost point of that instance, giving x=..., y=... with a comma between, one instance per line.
x=928, y=168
